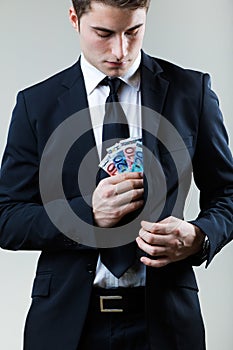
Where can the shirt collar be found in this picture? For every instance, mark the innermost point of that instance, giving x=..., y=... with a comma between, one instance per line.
x=132, y=77
x=93, y=76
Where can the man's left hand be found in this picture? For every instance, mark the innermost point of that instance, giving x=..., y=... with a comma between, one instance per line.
x=168, y=241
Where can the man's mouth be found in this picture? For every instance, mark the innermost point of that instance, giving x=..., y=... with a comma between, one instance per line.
x=117, y=63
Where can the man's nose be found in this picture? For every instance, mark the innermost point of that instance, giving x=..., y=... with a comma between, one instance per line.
x=120, y=47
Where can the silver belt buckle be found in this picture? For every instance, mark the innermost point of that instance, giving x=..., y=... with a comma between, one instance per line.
x=109, y=297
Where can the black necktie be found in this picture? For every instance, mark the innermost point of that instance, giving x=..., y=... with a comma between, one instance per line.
x=115, y=128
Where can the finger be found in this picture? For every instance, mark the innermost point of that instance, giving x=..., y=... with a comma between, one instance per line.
x=130, y=207
x=149, y=226
x=123, y=177
x=161, y=262
x=158, y=227
x=128, y=185
x=154, y=239
x=171, y=223
x=152, y=250
x=128, y=197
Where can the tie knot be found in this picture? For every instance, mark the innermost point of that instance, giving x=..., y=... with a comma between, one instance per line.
x=113, y=83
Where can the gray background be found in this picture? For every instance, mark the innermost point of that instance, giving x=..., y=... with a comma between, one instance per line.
x=36, y=41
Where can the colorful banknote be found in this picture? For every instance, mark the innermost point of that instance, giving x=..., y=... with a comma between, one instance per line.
x=125, y=156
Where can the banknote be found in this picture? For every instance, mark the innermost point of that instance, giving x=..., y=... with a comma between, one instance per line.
x=124, y=156
x=129, y=146
x=137, y=165
x=108, y=165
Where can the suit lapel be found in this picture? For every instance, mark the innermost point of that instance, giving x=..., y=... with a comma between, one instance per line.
x=153, y=91
x=74, y=98
x=73, y=102
x=153, y=85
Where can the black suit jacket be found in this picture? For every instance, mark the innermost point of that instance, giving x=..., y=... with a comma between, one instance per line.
x=66, y=270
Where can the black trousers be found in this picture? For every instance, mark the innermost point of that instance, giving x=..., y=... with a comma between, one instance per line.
x=121, y=329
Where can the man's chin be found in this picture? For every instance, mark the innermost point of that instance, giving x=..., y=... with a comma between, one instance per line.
x=117, y=70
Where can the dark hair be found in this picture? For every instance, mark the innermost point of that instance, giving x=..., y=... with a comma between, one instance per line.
x=83, y=6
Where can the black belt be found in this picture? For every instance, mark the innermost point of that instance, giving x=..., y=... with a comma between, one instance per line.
x=129, y=300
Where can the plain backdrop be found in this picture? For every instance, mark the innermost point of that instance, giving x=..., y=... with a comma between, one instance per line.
x=36, y=41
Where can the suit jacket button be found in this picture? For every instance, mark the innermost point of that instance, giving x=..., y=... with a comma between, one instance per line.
x=90, y=268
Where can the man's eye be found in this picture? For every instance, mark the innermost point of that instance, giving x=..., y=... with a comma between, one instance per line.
x=103, y=34
x=132, y=33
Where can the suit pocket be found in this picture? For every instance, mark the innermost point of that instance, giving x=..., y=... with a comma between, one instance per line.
x=176, y=275
x=41, y=285
x=191, y=283
x=182, y=275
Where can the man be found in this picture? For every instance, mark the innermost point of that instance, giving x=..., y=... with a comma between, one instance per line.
x=158, y=291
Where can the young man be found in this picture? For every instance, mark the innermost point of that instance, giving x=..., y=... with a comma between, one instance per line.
x=78, y=303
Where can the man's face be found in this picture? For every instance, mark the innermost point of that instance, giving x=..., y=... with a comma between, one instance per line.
x=110, y=38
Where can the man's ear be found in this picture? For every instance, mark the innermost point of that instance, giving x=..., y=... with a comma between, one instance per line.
x=74, y=18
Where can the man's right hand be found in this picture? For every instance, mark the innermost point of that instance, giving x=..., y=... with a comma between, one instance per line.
x=116, y=196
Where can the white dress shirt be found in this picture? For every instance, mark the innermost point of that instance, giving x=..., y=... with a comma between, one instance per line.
x=129, y=96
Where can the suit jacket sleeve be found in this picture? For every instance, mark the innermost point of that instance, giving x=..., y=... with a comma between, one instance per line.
x=24, y=223
x=213, y=174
